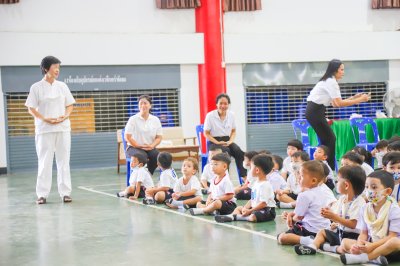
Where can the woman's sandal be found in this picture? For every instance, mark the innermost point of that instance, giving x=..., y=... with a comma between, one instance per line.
x=67, y=199
x=41, y=200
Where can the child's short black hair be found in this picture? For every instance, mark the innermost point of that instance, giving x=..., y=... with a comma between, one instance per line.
x=142, y=158
x=392, y=157
x=278, y=160
x=222, y=157
x=386, y=178
x=214, y=148
x=325, y=149
x=327, y=171
x=264, y=162
x=264, y=152
x=353, y=157
x=315, y=168
x=382, y=144
x=356, y=176
x=223, y=95
x=302, y=155
x=295, y=143
x=250, y=154
x=363, y=152
x=394, y=146
x=47, y=62
x=165, y=160
x=393, y=139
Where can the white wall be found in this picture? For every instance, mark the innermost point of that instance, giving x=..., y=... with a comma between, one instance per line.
x=3, y=153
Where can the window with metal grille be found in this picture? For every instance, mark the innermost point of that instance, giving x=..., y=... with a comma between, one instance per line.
x=282, y=104
x=98, y=111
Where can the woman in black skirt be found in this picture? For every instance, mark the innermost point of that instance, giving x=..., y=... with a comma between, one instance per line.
x=325, y=93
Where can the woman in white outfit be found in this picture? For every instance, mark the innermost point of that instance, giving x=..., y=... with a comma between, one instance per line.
x=50, y=102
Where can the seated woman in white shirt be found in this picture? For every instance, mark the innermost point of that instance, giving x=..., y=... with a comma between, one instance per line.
x=325, y=93
x=143, y=133
x=220, y=130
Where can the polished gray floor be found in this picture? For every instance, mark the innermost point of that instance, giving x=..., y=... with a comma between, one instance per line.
x=99, y=229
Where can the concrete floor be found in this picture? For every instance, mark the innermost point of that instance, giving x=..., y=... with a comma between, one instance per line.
x=99, y=229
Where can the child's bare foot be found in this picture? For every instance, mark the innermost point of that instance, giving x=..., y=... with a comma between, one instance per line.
x=132, y=198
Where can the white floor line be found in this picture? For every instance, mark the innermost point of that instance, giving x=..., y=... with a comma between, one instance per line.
x=103, y=185
x=197, y=218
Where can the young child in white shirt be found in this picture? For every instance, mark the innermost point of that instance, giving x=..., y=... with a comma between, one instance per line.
x=187, y=190
x=379, y=223
x=379, y=151
x=344, y=215
x=207, y=174
x=287, y=197
x=275, y=178
x=366, y=158
x=139, y=181
x=221, y=196
x=167, y=182
x=293, y=146
x=392, y=165
x=243, y=192
x=261, y=206
x=321, y=154
x=306, y=219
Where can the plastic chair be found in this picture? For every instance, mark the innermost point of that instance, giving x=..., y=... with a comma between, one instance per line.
x=204, y=154
x=360, y=123
x=302, y=125
x=128, y=160
x=202, y=145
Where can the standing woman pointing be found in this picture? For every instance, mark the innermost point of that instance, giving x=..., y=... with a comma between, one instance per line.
x=325, y=93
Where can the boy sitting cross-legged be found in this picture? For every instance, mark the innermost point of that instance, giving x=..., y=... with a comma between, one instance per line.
x=221, y=197
x=261, y=207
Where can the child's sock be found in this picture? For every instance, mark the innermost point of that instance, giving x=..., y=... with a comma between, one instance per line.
x=284, y=205
x=241, y=218
x=381, y=260
x=196, y=211
x=329, y=248
x=354, y=259
x=177, y=203
x=306, y=240
x=121, y=194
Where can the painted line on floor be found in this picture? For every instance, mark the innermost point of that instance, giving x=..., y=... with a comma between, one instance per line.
x=197, y=218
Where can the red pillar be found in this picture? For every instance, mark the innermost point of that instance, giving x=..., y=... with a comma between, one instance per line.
x=209, y=20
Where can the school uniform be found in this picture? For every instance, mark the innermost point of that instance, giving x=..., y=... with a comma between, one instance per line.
x=144, y=132
x=393, y=226
x=192, y=184
x=330, y=179
x=321, y=96
x=396, y=191
x=207, y=174
x=50, y=100
x=276, y=180
x=262, y=191
x=367, y=168
x=245, y=194
x=221, y=188
x=287, y=165
x=221, y=130
x=308, y=205
x=142, y=175
x=293, y=186
x=347, y=210
x=168, y=178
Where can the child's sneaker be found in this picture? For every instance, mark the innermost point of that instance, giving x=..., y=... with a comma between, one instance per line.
x=121, y=194
x=223, y=218
x=304, y=250
x=149, y=201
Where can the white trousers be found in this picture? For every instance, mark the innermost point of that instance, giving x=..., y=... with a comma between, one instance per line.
x=48, y=144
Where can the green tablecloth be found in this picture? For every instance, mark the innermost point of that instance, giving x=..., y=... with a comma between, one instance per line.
x=387, y=127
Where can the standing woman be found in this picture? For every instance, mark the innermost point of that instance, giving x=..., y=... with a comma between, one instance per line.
x=143, y=133
x=325, y=93
x=220, y=130
x=50, y=102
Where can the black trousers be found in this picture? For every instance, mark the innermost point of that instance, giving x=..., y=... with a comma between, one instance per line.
x=151, y=156
x=233, y=150
x=315, y=115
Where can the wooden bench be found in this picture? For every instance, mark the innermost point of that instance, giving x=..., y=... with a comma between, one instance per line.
x=173, y=142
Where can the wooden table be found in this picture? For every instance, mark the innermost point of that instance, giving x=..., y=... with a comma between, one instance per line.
x=180, y=148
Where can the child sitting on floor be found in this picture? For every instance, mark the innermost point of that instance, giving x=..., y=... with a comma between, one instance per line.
x=275, y=178
x=287, y=197
x=221, y=197
x=293, y=146
x=379, y=151
x=306, y=219
x=140, y=179
x=392, y=165
x=243, y=192
x=187, y=189
x=208, y=175
x=379, y=222
x=321, y=154
x=366, y=158
x=167, y=182
x=344, y=215
x=261, y=206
